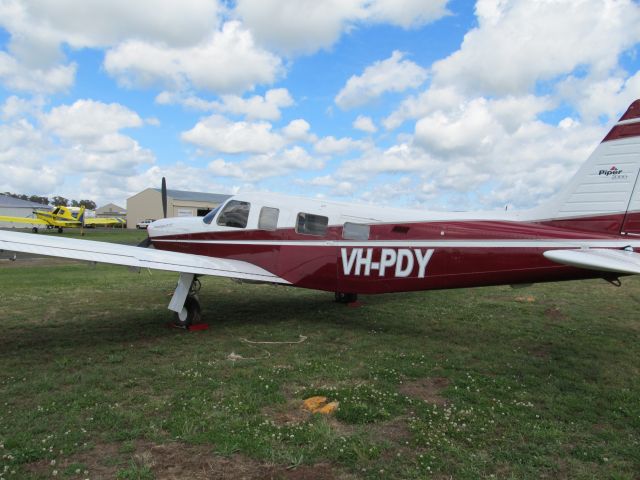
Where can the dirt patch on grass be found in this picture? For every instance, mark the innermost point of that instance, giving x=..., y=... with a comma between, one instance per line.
x=554, y=313
x=174, y=461
x=289, y=413
x=427, y=389
x=396, y=430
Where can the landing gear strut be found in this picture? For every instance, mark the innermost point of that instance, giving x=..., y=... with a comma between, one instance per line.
x=185, y=302
x=342, y=297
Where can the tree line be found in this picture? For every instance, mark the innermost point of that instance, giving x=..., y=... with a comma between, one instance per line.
x=56, y=201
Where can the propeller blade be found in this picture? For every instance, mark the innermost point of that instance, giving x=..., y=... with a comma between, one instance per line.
x=164, y=197
x=146, y=243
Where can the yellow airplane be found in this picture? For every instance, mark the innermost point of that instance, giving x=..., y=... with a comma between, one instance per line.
x=63, y=217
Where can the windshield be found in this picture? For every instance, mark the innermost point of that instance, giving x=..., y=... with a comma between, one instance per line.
x=208, y=218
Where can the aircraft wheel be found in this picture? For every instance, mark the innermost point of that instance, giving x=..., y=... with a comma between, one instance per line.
x=342, y=297
x=34, y=229
x=59, y=229
x=190, y=313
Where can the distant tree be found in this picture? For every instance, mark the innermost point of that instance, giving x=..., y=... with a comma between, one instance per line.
x=74, y=203
x=88, y=204
x=59, y=201
x=39, y=199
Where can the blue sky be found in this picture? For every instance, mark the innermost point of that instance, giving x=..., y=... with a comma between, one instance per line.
x=434, y=105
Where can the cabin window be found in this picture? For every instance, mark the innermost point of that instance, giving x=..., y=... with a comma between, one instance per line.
x=268, y=218
x=311, y=224
x=355, y=231
x=234, y=214
x=208, y=218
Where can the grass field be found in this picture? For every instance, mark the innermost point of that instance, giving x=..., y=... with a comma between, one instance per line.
x=542, y=382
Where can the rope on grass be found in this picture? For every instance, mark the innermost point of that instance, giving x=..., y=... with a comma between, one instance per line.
x=301, y=339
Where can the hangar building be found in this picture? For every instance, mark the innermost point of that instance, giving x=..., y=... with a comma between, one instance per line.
x=15, y=207
x=180, y=203
x=110, y=210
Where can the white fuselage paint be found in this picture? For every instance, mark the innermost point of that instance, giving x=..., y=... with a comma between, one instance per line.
x=402, y=262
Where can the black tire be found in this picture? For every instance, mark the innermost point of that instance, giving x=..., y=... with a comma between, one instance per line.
x=59, y=229
x=342, y=297
x=194, y=315
x=34, y=229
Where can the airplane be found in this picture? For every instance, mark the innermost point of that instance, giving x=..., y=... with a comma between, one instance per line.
x=61, y=217
x=590, y=229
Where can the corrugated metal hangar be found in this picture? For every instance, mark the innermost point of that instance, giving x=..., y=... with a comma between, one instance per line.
x=14, y=207
x=180, y=203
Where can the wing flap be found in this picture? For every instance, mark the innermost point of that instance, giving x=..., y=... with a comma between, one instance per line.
x=102, y=252
x=619, y=261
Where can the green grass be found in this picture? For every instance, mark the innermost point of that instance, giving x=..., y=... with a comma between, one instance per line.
x=541, y=382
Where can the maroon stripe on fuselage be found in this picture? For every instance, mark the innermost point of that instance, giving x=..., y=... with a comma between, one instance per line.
x=623, y=131
x=632, y=112
x=320, y=266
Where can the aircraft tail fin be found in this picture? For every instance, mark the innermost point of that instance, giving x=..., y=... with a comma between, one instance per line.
x=604, y=195
x=81, y=214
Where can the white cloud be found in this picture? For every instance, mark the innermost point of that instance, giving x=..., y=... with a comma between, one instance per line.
x=256, y=107
x=364, y=124
x=259, y=107
x=15, y=107
x=267, y=165
x=305, y=26
x=39, y=27
x=596, y=97
x=332, y=146
x=17, y=76
x=218, y=134
x=227, y=61
x=89, y=119
x=298, y=131
x=518, y=43
x=391, y=75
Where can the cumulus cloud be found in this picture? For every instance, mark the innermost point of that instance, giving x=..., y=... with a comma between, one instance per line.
x=519, y=43
x=267, y=165
x=227, y=61
x=256, y=107
x=391, y=75
x=37, y=29
x=89, y=119
x=333, y=146
x=260, y=107
x=306, y=26
x=18, y=76
x=218, y=134
x=364, y=124
x=299, y=130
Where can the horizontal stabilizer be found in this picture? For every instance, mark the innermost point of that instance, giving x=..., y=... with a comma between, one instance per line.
x=619, y=261
x=103, y=252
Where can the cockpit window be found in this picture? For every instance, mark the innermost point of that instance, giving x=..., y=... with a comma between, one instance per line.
x=208, y=218
x=311, y=224
x=268, y=219
x=234, y=214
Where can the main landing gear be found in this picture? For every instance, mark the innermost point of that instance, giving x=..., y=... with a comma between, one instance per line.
x=184, y=302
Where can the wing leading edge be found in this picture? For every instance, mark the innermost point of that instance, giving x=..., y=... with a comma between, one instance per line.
x=619, y=261
x=131, y=256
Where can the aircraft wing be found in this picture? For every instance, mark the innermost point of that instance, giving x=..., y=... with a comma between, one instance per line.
x=619, y=261
x=103, y=252
x=30, y=221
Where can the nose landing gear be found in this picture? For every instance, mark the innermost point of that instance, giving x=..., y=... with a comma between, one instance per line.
x=185, y=303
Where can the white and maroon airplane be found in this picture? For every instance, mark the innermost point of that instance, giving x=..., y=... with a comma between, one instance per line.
x=590, y=229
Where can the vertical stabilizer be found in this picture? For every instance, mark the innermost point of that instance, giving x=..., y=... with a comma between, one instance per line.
x=604, y=196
